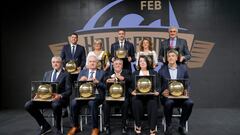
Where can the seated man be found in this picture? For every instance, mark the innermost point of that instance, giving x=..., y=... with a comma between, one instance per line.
x=122, y=75
x=60, y=99
x=92, y=73
x=175, y=71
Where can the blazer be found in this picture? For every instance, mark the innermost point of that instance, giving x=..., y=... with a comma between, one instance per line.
x=64, y=85
x=181, y=45
x=151, y=72
x=131, y=52
x=99, y=76
x=127, y=79
x=79, y=56
x=182, y=73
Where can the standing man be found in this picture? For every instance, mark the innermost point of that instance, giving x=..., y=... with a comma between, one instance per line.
x=123, y=43
x=95, y=75
x=173, y=42
x=121, y=75
x=175, y=71
x=75, y=52
x=60, y=99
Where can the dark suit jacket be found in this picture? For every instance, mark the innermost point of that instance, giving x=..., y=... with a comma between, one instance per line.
x=79, y=56
x=64, y=85
x=151, y=72
x=182, y=73
x=181, y=46
x=99, y=76
x=127, y=78
x=131, y=52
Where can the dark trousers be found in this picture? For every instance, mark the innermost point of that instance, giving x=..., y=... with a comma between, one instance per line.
x=93, y=106
x=169, y=104
x=138, y=103
x=33, y=107
x=107, y=108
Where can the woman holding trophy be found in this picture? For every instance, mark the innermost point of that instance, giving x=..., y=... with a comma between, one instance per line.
x=145, y=92
x=103, y=56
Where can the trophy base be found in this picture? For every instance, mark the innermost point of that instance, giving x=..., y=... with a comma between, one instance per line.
x=75, y=72
x=82, y=98
x=42, y=100
x=114, y=99
x=178, y=97
x=149, y=93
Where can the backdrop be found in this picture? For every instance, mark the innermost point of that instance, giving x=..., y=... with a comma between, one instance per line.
x=28, y=33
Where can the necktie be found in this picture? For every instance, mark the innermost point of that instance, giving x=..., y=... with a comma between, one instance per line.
x=171, y=43
x=91, y=75
x=121, y=44
x=54, y=76
x=73, y=51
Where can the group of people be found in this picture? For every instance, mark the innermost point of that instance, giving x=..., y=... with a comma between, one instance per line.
x=173, y=54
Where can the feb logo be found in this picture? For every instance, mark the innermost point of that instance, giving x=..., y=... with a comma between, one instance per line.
x=136, y=30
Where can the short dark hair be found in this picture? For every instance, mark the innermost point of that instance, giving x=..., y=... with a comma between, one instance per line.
x=122, y=30
x=147, y=61
x=74, y=34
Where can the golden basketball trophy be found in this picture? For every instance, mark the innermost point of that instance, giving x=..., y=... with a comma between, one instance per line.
x=145, y=85
x=116, y=90
x=71, y=66
x=176, y=88
x=43, y=91
x=85, y=90
x=121, y=53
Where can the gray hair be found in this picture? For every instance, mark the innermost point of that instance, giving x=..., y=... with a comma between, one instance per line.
x=173, y=27
x=57, y=58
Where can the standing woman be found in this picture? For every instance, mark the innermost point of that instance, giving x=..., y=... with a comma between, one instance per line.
x=147, y=49
x=150, y=101
x=102, y=56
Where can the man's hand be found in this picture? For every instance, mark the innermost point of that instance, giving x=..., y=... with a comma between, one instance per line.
x=165, y=93
x=95, y=81
x=121, y=78
x=182, y=58
x=56, y=96
x=186, y=93
x=134, y=93
x=110, y=80
x=156, y=93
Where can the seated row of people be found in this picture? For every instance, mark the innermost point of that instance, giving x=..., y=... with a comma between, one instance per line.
x=172, y=70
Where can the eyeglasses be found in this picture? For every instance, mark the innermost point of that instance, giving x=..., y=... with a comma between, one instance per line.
x=172, y=31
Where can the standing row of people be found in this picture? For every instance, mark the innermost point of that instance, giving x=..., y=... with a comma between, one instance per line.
x=173, y=52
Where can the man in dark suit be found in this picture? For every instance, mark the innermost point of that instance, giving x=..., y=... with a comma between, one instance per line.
x=123, y=43
x=75, y=52
x=173, y=42
x=175, y=71
x=121, y=75
x=92, y=73
x=60, y=99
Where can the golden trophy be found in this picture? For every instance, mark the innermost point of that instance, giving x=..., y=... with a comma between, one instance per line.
x=145, y=85
x=71, y=66
x=103, y=62
x=121, y=53
x=115, y=91
x=43, y=91
x=85, y=90
x=176, y=88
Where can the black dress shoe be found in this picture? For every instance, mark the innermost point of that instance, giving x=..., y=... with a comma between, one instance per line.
x=108, y=131
x=46, y=129
x=182, y=130
x=124, y=130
